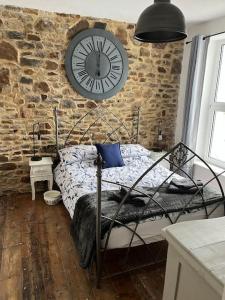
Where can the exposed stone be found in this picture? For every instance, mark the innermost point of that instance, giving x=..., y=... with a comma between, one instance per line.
x=130, y=26
x=122, y=35
x=44, y=24
x=39, y=45
x=176, y=67
x=80, y=105
x=3, y=158
x=7, y=166
x=27, y=53
x=83, y=24
x=34, y=99
x=26, y=80
x=41, y=87
x=15, y=35
x=30, y=11
x=68, y=104
x=44, y=97
x=25, y=45
x=159, y=45
x=91, y=104
x=25, y=179
x=30, y=89
x=144, y=52
x=4, y=77
x=13, y=8
x=31, y=106
x=24, y=61
x=51, y=65
x=161, y=70
x=33, y=37
x=52, y=74
x=48, y=149
x=28, y=71
x=47, y=126
x=54, y=55
x=167, y=55
x=7, y=51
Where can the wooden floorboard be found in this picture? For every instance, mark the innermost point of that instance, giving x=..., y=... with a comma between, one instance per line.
x=38, y=259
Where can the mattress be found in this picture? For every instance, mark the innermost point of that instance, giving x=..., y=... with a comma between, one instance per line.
x=150, y=230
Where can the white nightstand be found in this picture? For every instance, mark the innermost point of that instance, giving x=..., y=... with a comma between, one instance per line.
x=41, y=171
x=155, y=155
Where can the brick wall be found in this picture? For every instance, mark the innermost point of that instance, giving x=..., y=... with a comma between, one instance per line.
x=33, y=82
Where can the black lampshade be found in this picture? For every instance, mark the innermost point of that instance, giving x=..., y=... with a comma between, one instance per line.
x=161, y=22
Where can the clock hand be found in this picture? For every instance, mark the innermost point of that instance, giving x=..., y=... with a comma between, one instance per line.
x=98, y=65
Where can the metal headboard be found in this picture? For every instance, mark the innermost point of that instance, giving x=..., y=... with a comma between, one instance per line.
x=114, y=129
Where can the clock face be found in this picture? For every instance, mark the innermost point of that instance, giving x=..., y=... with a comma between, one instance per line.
x=96, y=64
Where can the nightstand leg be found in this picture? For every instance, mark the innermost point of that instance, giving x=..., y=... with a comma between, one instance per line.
x=33, y=189
x=50, y=184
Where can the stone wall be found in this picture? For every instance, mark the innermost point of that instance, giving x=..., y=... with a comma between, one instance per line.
x=33, y=82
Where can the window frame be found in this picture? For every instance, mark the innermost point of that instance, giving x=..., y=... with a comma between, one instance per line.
x=210, y=89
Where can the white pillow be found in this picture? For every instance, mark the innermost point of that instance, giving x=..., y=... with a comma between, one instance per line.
x=133, y=150
x=78, y=153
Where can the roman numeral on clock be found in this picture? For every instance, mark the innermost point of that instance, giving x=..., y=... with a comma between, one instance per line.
x=82, y=73
x=99, y=46
x=80, y=64
x=113, y=57
x=115, y=68
x=113, y=76
x=97, y=87
x=90, y=46
x=89, y=82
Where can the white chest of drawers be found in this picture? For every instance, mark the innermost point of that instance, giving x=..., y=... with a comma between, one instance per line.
x=196, y=260
x=41, y=171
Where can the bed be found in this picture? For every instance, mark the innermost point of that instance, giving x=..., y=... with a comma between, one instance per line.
x=76, y=177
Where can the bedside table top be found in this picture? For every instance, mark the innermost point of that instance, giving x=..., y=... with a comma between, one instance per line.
x=45, y=161
x=157, y=153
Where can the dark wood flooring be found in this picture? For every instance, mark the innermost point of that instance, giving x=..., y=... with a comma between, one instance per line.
x=38, y=259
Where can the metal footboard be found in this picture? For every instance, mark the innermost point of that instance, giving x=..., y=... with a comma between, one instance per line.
x=179, y=158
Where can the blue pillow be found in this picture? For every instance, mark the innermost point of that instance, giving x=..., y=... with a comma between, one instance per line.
x=111, y=155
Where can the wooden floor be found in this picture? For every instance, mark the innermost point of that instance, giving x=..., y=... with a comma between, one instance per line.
x=38, y=259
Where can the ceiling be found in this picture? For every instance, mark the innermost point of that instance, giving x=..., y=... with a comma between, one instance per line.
x=125, y=10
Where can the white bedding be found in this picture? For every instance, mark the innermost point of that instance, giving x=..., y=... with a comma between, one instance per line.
x=79, y=178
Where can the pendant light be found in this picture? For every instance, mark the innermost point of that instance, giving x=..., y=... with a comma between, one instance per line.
x=161, y=22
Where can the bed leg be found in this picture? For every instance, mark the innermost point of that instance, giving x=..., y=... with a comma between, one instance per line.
x=98, y=276
x=98, y=221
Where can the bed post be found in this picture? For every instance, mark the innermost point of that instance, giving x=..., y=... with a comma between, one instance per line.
x=56, y=131
x=138, y=121
x=98, y=221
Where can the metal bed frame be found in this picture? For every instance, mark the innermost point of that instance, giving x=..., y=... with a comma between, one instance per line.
x=115, y=127
x=178, y=157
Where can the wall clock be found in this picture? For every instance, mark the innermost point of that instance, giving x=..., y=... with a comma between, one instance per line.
x=96, y=64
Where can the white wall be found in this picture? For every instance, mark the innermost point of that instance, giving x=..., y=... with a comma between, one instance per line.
x=205, y=28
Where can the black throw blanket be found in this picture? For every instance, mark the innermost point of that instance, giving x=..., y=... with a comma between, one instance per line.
x=184, y=186
x=84, y=219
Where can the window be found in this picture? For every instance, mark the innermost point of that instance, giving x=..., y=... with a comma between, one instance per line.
x=216, y=149
x=212, y=119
